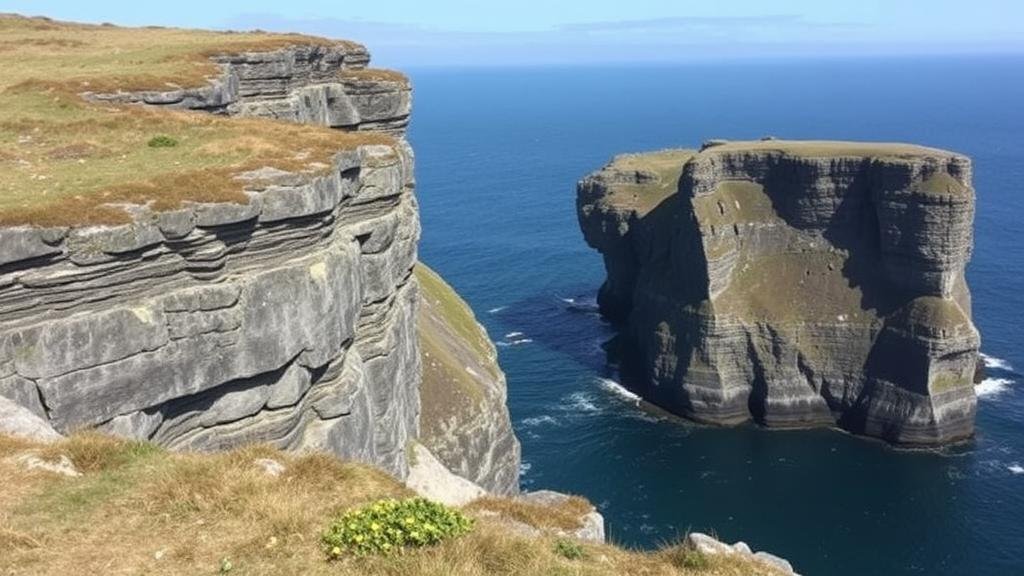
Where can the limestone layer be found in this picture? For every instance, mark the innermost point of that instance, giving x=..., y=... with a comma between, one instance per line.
x=288, y=320
x=793, y=283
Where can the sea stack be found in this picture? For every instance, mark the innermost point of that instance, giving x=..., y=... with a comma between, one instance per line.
x=793, y=283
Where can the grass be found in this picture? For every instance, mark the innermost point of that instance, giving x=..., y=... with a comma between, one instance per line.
x=564, y=516
x=451, y=344
x=829, y=148
x=138, y=509
x=665, y=166
x=375, y=75
x=68, y=162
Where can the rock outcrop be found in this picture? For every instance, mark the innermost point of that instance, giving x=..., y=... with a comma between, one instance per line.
x=290, y=319
x=464, y=417
x=709, y=546
x=793, y=283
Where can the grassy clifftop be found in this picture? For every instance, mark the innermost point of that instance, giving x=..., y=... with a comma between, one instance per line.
x=66, y=161
x=136, y=509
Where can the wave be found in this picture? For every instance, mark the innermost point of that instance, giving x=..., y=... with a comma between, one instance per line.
x=619, y=390
x=513, y=335
x=524, y=467
x=581, y=402
x=1015, y=468
x=588, y=304
x=538, y=421
x=496, y=310
x=992, y=387
x=997, y=363
x=506, y=343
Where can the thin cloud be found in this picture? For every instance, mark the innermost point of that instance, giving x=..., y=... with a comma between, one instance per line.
x=724, y=23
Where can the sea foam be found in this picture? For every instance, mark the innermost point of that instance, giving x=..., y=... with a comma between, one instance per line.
x=619, y=390
x=996, y=363
x=992, y=387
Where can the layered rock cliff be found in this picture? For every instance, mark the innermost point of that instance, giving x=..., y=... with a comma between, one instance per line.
x=289, y=317
x=793, y=283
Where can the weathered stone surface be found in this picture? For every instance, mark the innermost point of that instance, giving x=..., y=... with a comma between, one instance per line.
x=288, y=319
x=16, y=420
x=465, y=420
x=795, y=283
x=216, y=325
x=711, y=546
x=297, y=84
x=429, y=478
x=591, y=524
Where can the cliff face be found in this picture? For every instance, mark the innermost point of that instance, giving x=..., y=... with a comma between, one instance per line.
x=464, y=419
x=795, y=283
x=289, y=320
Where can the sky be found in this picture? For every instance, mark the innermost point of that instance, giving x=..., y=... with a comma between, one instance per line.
x=537, y=32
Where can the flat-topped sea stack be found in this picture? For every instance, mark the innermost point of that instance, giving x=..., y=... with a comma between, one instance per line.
x=793, y=283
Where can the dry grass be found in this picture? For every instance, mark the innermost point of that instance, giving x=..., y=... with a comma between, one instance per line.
x=66, y=161
x=138, y=509
x=375, y=75
x=108, y=58
x=564, y=516
x=829, y=148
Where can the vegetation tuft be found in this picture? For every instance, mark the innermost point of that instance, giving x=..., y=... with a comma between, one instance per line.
x=389, y=526
x=162, y=141
x=569, y=549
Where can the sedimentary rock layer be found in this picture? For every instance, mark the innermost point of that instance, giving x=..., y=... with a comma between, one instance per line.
x=795, y=283
x=288, y=320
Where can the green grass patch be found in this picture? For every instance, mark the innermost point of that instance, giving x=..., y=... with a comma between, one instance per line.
x=569, y=549
x=162, y=141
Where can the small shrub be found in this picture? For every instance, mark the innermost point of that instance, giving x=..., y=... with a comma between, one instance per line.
x=569, y=549
x=388, y=526
x=162, y=141
x=688, y=558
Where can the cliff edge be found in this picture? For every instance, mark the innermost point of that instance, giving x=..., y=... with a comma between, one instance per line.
x=793, y=283
x=208, y=240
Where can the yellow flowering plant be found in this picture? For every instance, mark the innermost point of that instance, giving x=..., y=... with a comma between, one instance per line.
x=390, y=526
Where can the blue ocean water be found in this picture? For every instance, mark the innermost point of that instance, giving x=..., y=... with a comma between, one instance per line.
x=498, y=155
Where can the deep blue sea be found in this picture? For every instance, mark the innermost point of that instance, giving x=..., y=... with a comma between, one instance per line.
x=498, y=155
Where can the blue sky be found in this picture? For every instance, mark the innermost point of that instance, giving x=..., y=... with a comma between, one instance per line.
x=464, y=32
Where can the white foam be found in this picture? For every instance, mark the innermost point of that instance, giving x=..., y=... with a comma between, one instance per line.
x=513, y=335
x=524, y=467
x=506, y=343
x=589, y=304
x=619, y=390
x=496, y=310
x=539, y=420
x=581, y=402
x=997, y=363
x=1015, y=468
x=992, y=387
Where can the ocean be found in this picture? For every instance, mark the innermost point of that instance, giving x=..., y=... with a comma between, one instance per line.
x=498, y=154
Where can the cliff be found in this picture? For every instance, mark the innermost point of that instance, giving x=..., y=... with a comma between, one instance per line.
x=464, y=418
x=181, y=262
x=793, y=283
